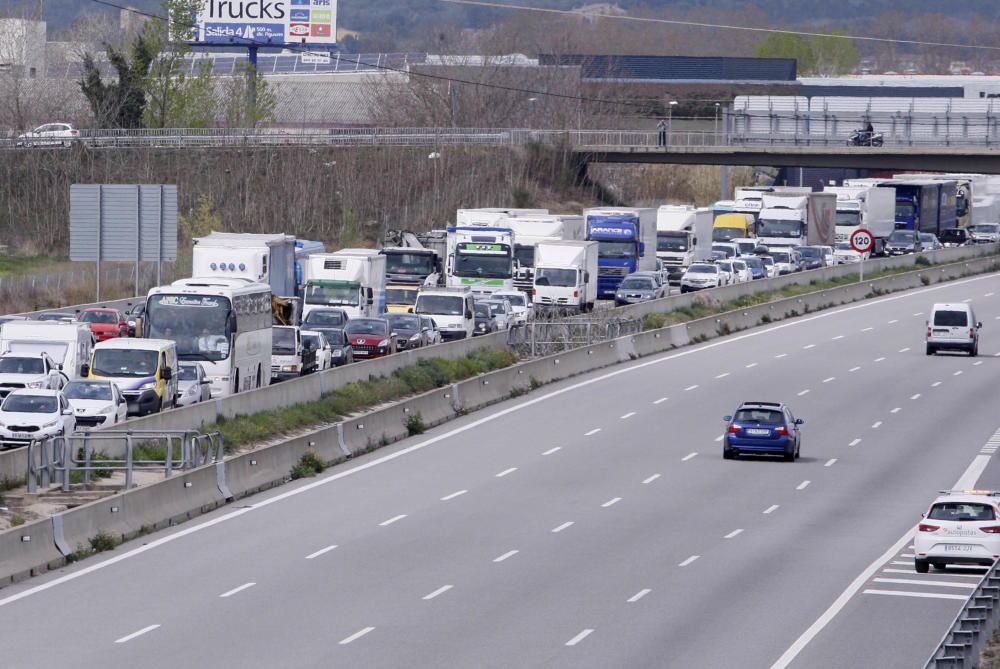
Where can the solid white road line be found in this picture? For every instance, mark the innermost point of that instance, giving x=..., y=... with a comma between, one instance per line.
x=803, y=485
x=689, y=561
x=688, y=456
x=830, y=462
x=357, y=635
x=966, y=482
x=628, y=415
x=579, y=637
x=133, y=635
x=828, y=379
x=475, y=424
x=651, y=478
x=914, y=581
x=855, y=442
x=506, y=471
x=773, y=507
x=505, y=556
x=733, y=534
x=751, y=365
x=551, y=450
x=924, y=595
x=611, y=502
x=241, y=588
x=321, y=551
x=691, y=387
x=453, y=495
x=661, y=400
x=440, y=591
x=639, y=595
x=560, y=528
x=392, y=520
x=876, y=424
x=803, y=392
x=854, y=369
x=592, y=432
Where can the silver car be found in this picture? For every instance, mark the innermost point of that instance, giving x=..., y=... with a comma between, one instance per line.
x=192, y=385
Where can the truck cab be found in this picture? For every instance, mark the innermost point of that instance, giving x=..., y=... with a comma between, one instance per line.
x=291, y=356
x=451, y=308
x=566, y=275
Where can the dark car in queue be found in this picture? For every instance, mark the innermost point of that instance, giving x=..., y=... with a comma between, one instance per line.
x=409, y=334
x=341, y=351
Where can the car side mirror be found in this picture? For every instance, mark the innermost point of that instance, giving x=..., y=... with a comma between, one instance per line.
x=468, y=314
x=727, y=418
x=84, y=369
x=67, y=412
x=409, y=310
x=205, y=382
x=979, y=325
x=167, y=374
x=799, y=421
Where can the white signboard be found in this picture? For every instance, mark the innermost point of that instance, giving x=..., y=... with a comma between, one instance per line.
x=317, y=57
x=267, y=22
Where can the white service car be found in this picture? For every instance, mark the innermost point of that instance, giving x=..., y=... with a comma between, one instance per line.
x=962, y=527
x=34, y=415
x=29, y=370
x=769, y=266
x=728, y=272
x=742, y=271
x=502, y=312
x=701, y=275
x=324, y=355
x=520, y=305
x=193, y=385
x=96, y=403
x=50, y=134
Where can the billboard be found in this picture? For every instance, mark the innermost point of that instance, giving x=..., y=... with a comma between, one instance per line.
x=266, y=22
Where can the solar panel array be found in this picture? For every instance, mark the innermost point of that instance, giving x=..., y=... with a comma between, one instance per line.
x=676, y=68
x=224, y=64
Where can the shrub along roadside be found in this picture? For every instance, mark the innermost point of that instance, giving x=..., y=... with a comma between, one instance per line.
x=426, y=375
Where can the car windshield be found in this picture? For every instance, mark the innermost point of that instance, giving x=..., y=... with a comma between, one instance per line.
x=725, y=267
x=524, y=255
x=21, y=366
x=518, y=300
x=844, y=246
x=953, y=235
x=115, y=362
x=767, y=261
x=311, y=340
x=325, y=317
x=440, y=305
x=551, y=276
x=363, y=326
x=927, y=237
x=482, y=266
x=637, y=283
x=409, y=263
x=902, y=237
x=724, y=249
x=739, y=265
x=810, y=252
x=482, y=310
x=55, y=317
x=703, y=269
x=723, y=234
x=334, y=336
x=904, y=210
x=98, y=317
x=188, y=373
x=781, y=257
x=88, y=390
x=951, y=318
x=497, y=307
x=401, y=296
x=200, y=324
x=30, y=404
x=282, y=340
x=961, y=511
x=403, y=321
x=986, y=227
x=769, y=416
x=755, y=263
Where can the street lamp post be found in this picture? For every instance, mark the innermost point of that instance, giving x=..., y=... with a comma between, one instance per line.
x=670, y=121
x=716, y=137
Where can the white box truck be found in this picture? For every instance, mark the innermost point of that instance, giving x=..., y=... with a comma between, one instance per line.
x=793, y=219
x=529, y=231
x=566, y=275
x=491, y=215
x=675, y=239
x=350, y=279
x=68, y=344
x=867, y=207
x=267, y=258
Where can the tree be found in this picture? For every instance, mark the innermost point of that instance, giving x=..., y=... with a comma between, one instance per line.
x=121, y=103
x=241, y=112
x=784, y=45
x=835, y=54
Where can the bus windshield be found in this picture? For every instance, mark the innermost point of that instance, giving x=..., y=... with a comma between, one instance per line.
x=198, y=323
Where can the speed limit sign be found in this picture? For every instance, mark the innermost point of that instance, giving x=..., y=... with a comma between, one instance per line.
x=862, y=240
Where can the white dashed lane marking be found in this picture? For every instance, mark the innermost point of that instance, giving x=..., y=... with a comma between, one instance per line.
x=506, y=471
x=830, y=462
x=734, y=533
x=611, y=502
x=440, y=591
x=560, y=528
x=722, y=376
x=651, y=479
x=230, y=593
x=392, y=520
x=661, y=400
x=592, y=432
x=688, y=457
x=639, y=595
x=579, y=637
x=453, y=495
x=751, y=365
x=552, y=450
x=803, y=392
x=772, y=508
x=357, y=635
x=803, y=485
x=321, y=551
x=127, y=638
x=691, y=387
x=876, y=424
x=689, y=561
x=832, y=378
x=506, y=555
x=628, y=415
x=854, y=369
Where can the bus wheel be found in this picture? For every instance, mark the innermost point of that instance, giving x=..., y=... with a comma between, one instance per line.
x=236, y=382
x=258, y=377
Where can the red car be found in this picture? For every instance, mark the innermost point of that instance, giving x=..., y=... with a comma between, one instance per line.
x=370, y=337
x=105, y=323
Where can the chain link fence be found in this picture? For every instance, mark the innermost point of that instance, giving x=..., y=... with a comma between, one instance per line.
x=546, y=337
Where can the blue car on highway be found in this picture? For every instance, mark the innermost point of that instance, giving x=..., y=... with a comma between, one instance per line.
x=762, y=428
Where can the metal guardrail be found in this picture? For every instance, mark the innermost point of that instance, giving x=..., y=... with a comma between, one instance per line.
x=539, y=338
x=975, y=623
x=54, y=460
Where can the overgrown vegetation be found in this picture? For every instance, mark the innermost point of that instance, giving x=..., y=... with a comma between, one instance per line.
x=308, y=465
x=415, y=424
x=425, y=375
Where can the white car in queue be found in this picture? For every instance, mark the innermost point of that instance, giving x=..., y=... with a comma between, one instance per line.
x=34, y=415
x=519, y=304
x=193, y=385
x=962, y=527
x=96, y=403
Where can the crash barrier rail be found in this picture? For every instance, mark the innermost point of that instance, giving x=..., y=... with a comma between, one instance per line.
x=975, y=623
x=54, y=460
x=539, y=338
x=40, y=545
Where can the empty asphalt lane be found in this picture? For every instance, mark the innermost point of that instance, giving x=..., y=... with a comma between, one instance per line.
x=523, y=610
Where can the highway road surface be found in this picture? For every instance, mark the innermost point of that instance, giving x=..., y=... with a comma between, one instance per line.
x=591, y=523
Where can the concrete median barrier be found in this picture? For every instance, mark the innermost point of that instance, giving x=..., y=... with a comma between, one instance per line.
x=271, y=466
x=13, y=464
x=28, y=550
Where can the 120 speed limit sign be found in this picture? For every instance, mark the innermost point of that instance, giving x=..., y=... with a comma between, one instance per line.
x=862, y=241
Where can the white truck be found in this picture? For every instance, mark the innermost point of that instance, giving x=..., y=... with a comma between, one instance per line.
x=566, y=275
x=868, y=207
x=489, y=216
x=481, y=259
x=453, y=311
x=532, y=229
x=675, y=238
x=68, y=344
x=793, y=219
x=260, y=258
x=350, y=279
x=291, y=357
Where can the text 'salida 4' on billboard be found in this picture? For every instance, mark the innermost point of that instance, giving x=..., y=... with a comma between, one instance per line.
x=267, y=22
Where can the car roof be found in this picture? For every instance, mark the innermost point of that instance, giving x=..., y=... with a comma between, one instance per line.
x=762, y=405
x=974, y=496
x=952, y=306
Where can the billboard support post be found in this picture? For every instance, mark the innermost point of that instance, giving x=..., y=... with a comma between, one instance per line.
x=252, y=81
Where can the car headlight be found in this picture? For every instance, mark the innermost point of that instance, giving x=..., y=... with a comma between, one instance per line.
x=34, y=384
x=289, y=368
x=415, y=337
x=106, y=410
x=192, y=390
x=384, y=343
x=51, y=423
x=338, y=353
x=148, y=386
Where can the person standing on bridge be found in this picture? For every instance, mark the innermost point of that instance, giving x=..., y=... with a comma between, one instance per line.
x=661, y=127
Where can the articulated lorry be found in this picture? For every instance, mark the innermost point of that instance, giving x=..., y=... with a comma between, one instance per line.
x=792, y=219
x=481, y=259
x=565, y=275
x=924, y=205
x=865, y=206
x=351, y=279
x=627, y=238
x=258, y=258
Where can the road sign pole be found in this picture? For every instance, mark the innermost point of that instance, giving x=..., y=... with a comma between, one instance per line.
x=862, y=277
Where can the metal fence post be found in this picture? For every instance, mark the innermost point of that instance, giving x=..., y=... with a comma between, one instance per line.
x=128, y=462
x=169, y=457
x=87, y=450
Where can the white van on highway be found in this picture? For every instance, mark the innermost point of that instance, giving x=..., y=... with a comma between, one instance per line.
x=451, y=308
x=953, y=326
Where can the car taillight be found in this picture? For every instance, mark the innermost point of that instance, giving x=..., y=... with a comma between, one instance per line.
x=972, y=333
x=924, y=527
x=734, y=429
x=928, y=332
x=781, y=430
x=993, y=529
x=74, y=133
